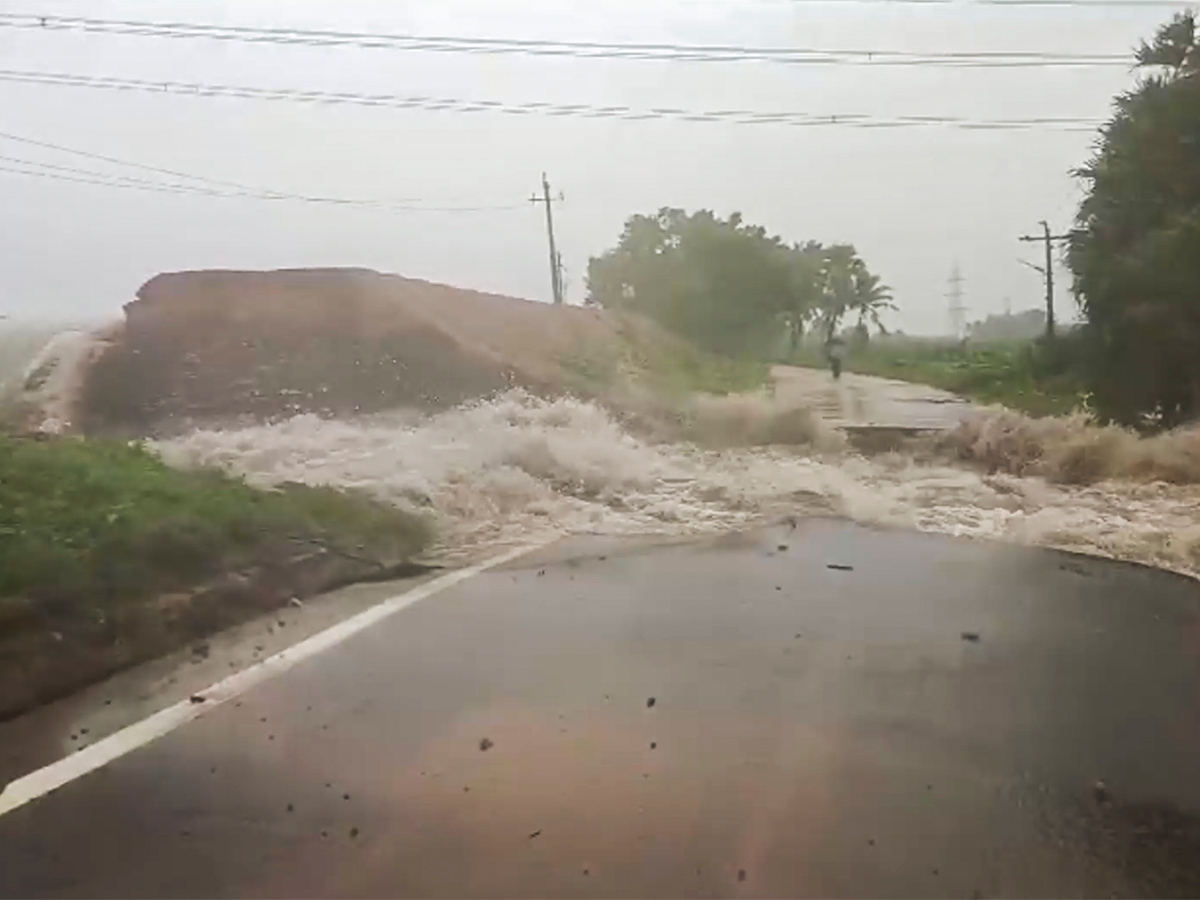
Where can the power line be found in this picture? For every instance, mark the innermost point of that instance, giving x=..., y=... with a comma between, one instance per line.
x=109, y=177
x=137, y=184
x=242, y=191
x=963, y=4
x=576, y=110
x=1098, y=4
x=711, y=53
x=122, y=162
x=53, y=176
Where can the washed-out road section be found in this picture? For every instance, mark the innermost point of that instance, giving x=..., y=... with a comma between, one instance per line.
x=811, y=710
x=869, y=402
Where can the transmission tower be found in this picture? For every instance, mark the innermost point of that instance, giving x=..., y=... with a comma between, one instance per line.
x=956, y=310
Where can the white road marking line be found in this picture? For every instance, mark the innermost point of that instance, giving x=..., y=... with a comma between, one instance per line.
x=44, y=780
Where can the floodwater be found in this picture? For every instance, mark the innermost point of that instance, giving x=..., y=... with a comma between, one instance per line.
x=503, y=470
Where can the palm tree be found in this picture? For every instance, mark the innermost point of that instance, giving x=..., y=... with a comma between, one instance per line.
x=848, y=287
x=871, y=298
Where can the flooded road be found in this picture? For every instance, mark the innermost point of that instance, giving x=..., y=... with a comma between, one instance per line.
x=865, y=401
x=819, y=710
x=501, y=471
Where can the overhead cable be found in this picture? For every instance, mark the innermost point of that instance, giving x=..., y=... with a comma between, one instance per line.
x=669, y=52
x=576, y=110
x=107, y=179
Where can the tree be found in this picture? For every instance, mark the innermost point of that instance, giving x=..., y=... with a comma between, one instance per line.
x=719, y=282
x=849, y=288
x=729, y=286
x=804, y=294
x=1135, y=253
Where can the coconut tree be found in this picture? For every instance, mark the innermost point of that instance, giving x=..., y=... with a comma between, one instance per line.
x=871, y=298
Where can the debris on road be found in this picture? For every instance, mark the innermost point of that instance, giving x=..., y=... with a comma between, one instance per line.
x=839, y=567
x=971, y=636
x=486, y=744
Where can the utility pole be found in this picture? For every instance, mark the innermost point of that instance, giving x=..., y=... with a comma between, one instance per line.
x=1048, y=272
x=556, y=281
x=957, y=310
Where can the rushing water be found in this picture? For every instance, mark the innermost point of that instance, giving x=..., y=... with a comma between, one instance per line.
x=503, y=470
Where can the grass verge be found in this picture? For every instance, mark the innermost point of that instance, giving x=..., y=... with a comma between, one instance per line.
x=95, y=533
x=650, y=359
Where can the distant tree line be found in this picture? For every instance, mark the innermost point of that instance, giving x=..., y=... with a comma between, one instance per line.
x=1135, y=253
x=731, y=287
x=1025, y=325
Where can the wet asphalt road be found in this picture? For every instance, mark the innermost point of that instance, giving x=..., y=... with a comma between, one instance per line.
x=716, y=718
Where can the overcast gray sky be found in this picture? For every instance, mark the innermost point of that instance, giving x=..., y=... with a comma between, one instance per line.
x=913, y=200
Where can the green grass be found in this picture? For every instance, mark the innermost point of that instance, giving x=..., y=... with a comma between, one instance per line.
x=683, y=369
x=89, y=523
x=1021, y=375
x=666, y=364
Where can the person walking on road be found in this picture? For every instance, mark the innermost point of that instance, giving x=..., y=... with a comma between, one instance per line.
x=835, y=349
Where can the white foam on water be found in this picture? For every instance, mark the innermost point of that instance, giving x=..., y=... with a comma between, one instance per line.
x=20, y=345
x=44, y=369
x=498, y=472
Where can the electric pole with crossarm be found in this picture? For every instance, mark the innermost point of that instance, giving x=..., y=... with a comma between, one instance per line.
x=556, y=280
x=1048, y=239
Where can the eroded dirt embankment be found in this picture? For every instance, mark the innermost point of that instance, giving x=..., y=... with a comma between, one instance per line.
x=228, y=346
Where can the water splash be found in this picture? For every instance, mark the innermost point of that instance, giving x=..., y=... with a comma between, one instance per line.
x=43, y=370
x=500, y=471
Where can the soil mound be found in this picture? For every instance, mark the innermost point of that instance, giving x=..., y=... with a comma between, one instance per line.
x=228, y=347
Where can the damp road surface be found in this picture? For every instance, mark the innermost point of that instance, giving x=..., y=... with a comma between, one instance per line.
x=822, y=710
x=869, y=402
